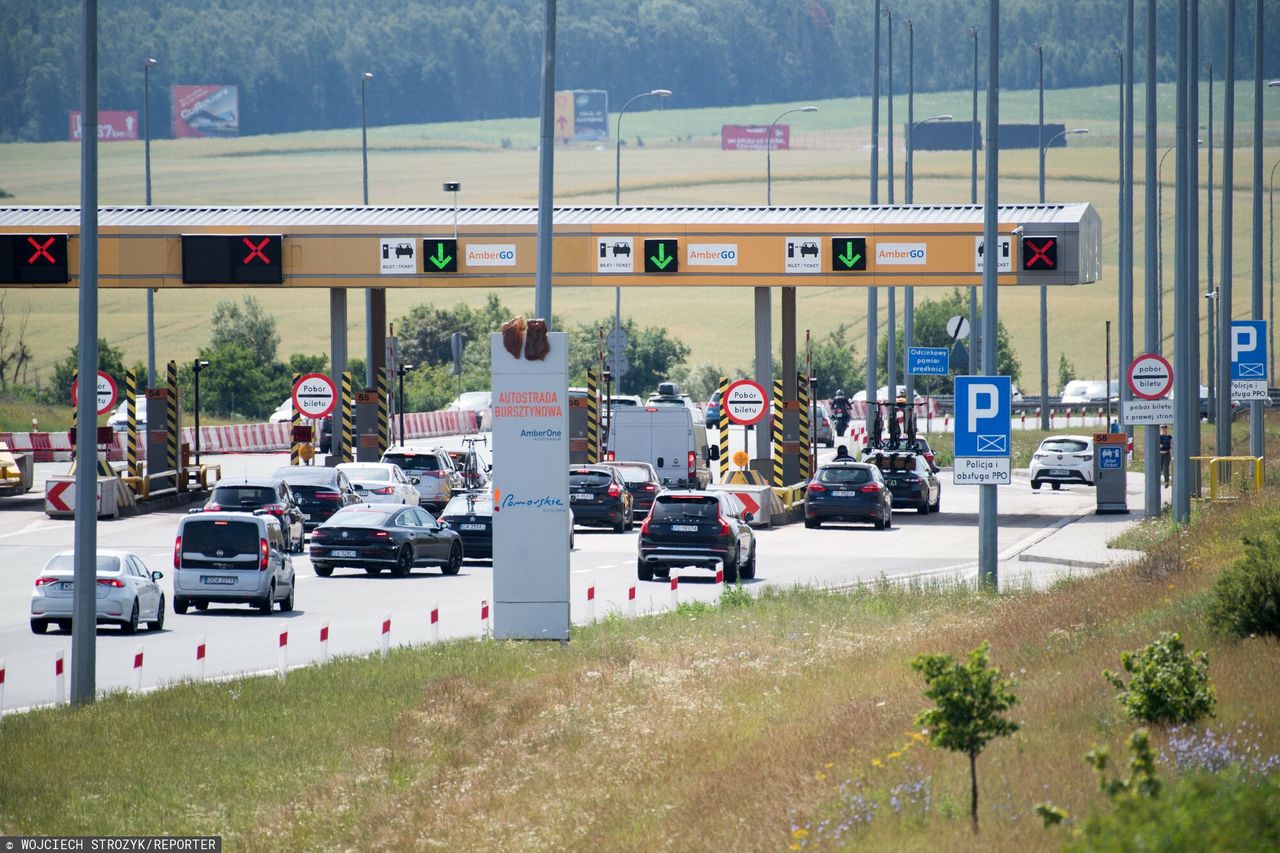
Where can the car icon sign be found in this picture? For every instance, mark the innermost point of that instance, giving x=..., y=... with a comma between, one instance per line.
x=621, y=248
x=404, y=249
x=809, y=248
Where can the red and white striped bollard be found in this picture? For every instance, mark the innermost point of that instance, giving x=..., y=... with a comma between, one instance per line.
x=484, y=618
x=59, y=679
x=631, y=602
x=675, y=592
x=591, y=602
x=435, y=622
x=324, y=641
x=283, y=656
x=1, y=689
x=200, y=652
x=137, y=668
x=386, y=634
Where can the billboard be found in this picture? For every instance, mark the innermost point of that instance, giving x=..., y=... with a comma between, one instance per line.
x=590, y=114
x=751, y=137
x=958, y=136
x=113, y=125
x=564, y=115
x=205, y=111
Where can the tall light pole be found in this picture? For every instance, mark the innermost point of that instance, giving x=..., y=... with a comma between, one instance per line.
x=1183, y=378
x=369, y=361
x=1216, y=392
x=1126, y=234
x=1044, y=300
x=891, y=333
x=988, y=556
x=1160, y=236
x=975, y=361
x=1271, y=292
x=617, y=200
x=1222, y=430
x=768, y=155
x=146, y=156
x=1255, y=408
x=873, y=308
x=1151, y=328
x=198, y=365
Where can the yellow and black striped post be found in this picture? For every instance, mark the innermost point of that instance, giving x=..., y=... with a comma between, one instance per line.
x=171, y=420
x=295, y=421
x=348, y=407
x=384, y=422
x=777, y=432
x=723, y=425
x=131, y=421
x=806, y=459
x=593, y=418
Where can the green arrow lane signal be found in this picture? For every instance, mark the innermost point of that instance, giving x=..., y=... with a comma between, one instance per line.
x=660, y=255
x=848, y=254
x=440, y=255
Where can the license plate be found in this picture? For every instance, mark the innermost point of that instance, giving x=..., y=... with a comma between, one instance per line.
x=344, y=553
x=1058, y=472
x=844, y=494
x=582, y=496
x=685, y=528
x=218, y=580
x=471, y=527
x=68, y=585
x=306, y=516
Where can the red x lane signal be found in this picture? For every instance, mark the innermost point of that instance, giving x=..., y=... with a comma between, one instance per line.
x=232, y=259
x=33, y=259
x=255, y=250
x=1039, y=253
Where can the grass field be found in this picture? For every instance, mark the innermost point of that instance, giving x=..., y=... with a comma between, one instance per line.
x=679, y=163
x=784, y=722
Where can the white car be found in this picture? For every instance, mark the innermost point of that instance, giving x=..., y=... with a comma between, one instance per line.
x=1079, y=391
x=119, y=420
x=381, y=482
x=1063, y=459
x=480, y=402
x=126, y=592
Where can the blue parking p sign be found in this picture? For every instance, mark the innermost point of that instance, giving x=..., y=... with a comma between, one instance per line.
x=984, y=420
x=1248, y=349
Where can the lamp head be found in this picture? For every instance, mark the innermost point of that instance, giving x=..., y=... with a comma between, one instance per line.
x=150, y=62
x=368, y=75
x=661, y=93
x=201, y=364
x=808, y=109
x=452, y=186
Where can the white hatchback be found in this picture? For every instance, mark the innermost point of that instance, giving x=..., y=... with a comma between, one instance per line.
x=381, y=482
x=1063, y=459
x=126, y=593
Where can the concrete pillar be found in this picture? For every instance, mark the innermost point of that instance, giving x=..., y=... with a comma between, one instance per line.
x=376, y=335
x=790, y=391
x=764, y=368
x=337, y=362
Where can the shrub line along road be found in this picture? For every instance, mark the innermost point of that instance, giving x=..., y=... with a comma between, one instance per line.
x=239, y=640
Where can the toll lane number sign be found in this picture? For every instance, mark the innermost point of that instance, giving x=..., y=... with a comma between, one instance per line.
x=746, y=402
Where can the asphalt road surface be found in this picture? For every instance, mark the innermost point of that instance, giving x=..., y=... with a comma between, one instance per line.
x=238, y=640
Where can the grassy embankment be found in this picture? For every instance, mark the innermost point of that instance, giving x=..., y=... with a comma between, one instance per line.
x=784, y=721
x=680, y=163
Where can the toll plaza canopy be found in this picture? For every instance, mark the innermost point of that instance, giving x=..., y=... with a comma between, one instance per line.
x=379, y=247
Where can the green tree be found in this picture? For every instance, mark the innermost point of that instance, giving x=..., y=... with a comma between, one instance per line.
x=654, y=355
x=1066, y=371
x=247, y=325
x=970, y=698
x=110, y=359
x=835, y=363
x=1166, y=685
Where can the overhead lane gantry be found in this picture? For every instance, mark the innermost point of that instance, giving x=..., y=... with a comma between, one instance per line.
x=340, y=247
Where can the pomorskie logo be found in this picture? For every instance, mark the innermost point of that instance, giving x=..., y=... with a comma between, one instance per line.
x=508, y=501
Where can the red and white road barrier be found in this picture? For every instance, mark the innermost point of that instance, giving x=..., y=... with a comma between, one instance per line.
x=59, y=679
x=591, y=601
x=675, y=592
x=946, y=422
x=283, y=661
x=1, y=689
x=484, y=618
x=200, y=651
x=631, y=602
x=324, y=641
x=720, y=575
x=386, y=635
x=137, y=668
x=435, y=622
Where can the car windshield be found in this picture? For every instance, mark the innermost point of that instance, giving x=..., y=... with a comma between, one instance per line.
x=360, y=516
x=213, y=535
x=414, y=461
x=633, y=473
x=1063, y=445
x=243, y=495
x=307, y=474
x=896, y=462
x=844, y=476
x=107, y=565
x=379, y=474
x=686, y=506
x=469, y=504
x=590, y=479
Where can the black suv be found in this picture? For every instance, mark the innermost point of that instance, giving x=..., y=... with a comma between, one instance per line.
x=261, y=496
x=697, y=528
x=599, y=495
x=320, y=491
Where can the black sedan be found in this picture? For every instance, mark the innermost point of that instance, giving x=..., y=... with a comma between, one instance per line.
x=374, y=537
x=642, y=481
x=269, y=496
x=697, y=528
x=910, y=479
x=598, y=495
x=848, y=491
x=320, y=491
x=471, y=514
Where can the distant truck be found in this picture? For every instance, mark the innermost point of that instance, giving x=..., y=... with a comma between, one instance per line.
x=666, y=438
x=15, y=472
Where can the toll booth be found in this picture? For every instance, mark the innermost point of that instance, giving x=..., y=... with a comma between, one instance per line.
x=164, y=425
x=369, y=429
x=1110, y=472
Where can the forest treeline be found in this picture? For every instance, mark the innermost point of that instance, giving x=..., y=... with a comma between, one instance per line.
x=298, y=62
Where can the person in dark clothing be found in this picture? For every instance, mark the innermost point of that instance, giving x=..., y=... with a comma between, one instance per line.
x=842, y=454
x=1166, y=453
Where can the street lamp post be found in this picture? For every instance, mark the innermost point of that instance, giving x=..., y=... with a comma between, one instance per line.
x=401, y=370
x=1211, y=361
x=617, y=200
x=768, y=161
x=974, y=355
x=146, y=156
x=909, y=308
x=370, y=362
x=891, y=334
x=198, y=365
x=1271, y=292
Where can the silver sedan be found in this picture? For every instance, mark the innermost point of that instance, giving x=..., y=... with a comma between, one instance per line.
x=382, y=482
x=126, y=592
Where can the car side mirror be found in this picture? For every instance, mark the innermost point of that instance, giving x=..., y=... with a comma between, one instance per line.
x=155, y=576
x=747, y=516
x=195, y=510
x=713, y=452
x=415, y=480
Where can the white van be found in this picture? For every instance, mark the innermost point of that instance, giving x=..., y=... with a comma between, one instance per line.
x=666, y=438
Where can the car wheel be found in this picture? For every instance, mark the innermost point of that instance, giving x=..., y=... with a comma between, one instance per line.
x=620, y=527
x=812, y=523
x=157, y=624
x=265, y=605
x=180, y=605
x=888, y=519
x=202, y=606
x=286, y=606
x=288, y=541
x=644, y=572
x=1057, y=486
x=322, y=570
x=923, y=509
x=749, y=570
x=731, y=569
x=455, y=560
x=937, y=505
x=1035, y=485
x=663, y=572
x=39, y=626
x=372, y=570
x=131, y=627
x=879, y=522
x=404, y=563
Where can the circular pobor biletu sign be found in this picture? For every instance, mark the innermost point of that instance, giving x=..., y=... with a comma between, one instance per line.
x=107, y=392
x=314, y=395
x=746, y=402
x=1150, y=376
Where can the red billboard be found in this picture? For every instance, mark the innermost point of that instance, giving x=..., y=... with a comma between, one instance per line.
x=205, y=111
x=751, y=137
x=112, y=125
